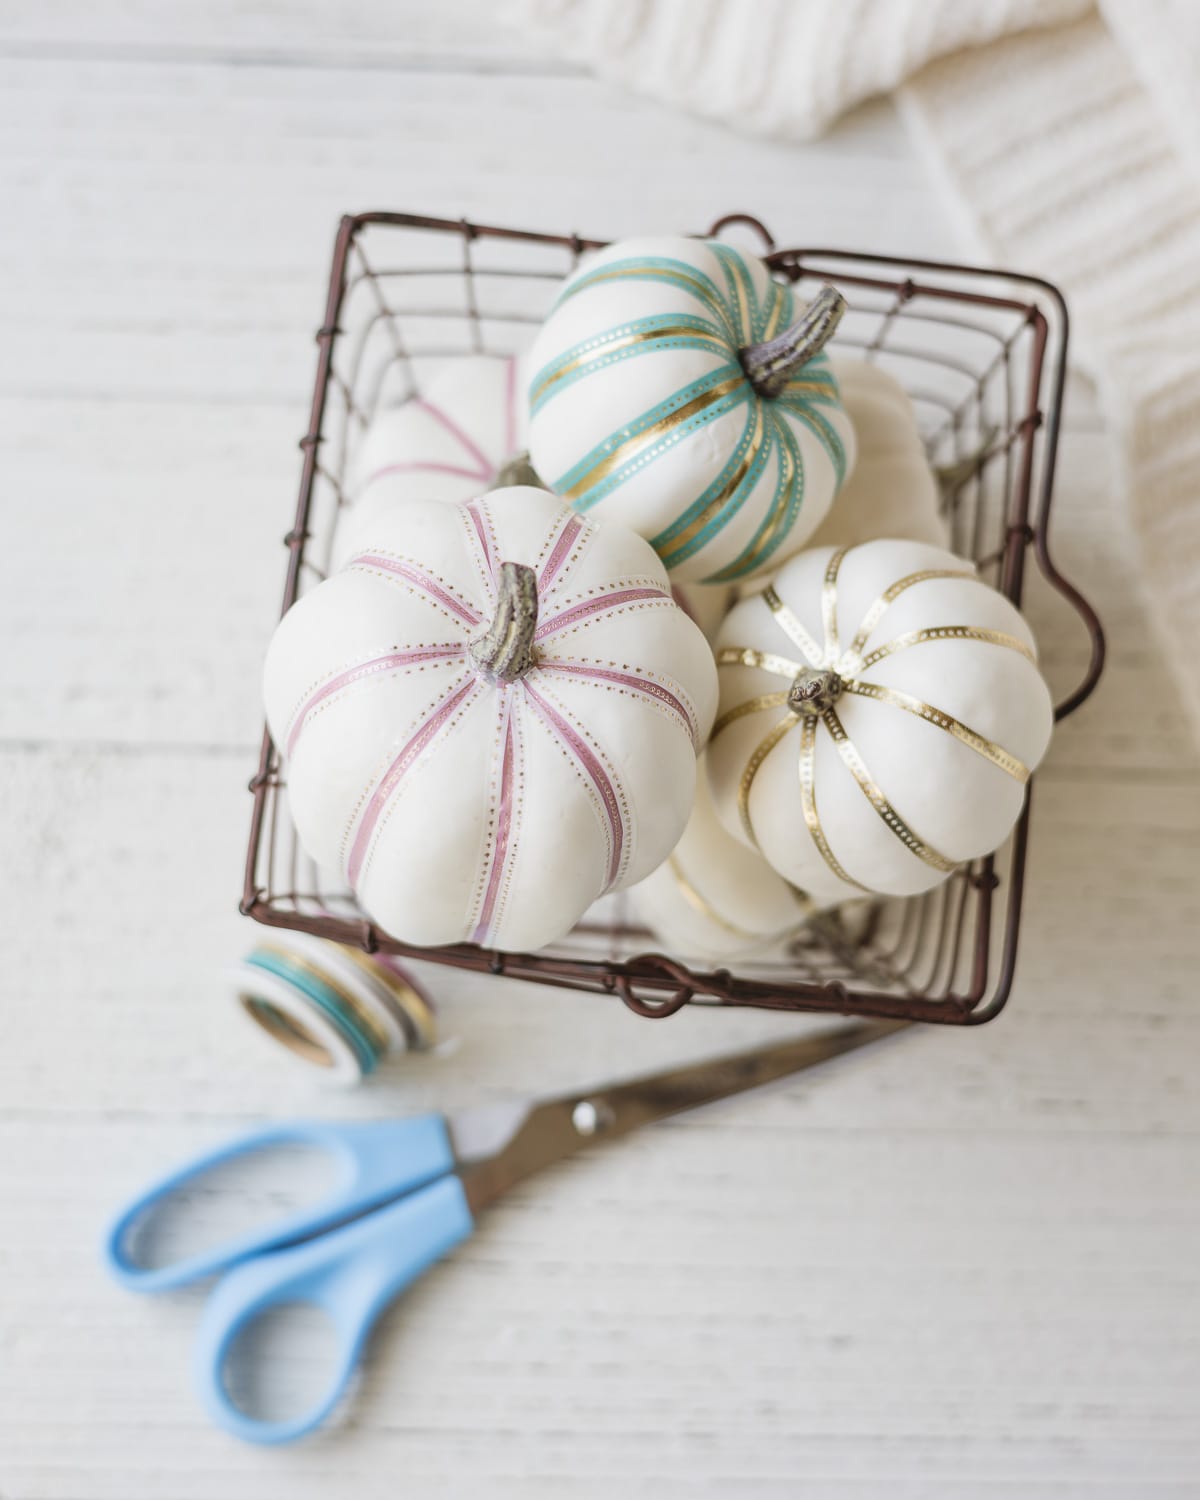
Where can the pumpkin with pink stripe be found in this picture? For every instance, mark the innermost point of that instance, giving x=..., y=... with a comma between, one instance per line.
x=490, y=717
x=449, y=442
x=464, y=434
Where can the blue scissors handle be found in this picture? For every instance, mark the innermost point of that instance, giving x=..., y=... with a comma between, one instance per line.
x=352, y=1273
x=398, y=1206
x=377, y=1161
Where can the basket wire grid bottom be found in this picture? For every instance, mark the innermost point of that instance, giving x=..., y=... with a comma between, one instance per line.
x=982, y=355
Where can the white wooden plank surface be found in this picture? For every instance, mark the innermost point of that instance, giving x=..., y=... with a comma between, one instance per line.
x=968, y=1267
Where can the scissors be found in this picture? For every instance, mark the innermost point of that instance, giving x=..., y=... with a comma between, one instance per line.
x=409, y=1192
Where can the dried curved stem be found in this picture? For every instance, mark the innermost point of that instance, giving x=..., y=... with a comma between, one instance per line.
x=506, y=652
x=518, y=470
x=769, y=366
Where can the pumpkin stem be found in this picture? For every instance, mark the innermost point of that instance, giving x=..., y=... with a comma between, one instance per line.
x=814, y=691
x=518, y=470
x=771, y=365
x=506, y=651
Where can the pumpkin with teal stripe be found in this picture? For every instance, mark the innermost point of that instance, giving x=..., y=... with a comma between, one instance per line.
x=678, y=388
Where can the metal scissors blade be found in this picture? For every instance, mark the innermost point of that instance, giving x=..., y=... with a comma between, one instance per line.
x=554, y=1129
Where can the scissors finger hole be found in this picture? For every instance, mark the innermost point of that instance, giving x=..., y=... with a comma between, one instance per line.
x=278, y=1366
x=228, y=1199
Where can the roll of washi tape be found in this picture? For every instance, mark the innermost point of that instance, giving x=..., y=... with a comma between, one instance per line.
x=330, y=1006
x=410, y=1005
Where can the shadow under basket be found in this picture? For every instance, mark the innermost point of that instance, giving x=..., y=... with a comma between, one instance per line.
x=981, y=353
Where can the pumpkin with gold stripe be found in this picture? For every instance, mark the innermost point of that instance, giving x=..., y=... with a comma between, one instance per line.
x=678, y=388
x=714, y=899
x=881, y=711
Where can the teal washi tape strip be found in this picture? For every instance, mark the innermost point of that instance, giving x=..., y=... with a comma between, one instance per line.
x=327, y=1001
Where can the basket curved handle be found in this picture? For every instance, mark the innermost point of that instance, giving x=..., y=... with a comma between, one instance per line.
x=1091, y=622
x=749, y=221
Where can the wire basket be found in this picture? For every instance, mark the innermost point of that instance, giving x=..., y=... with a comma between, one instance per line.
x=981, y=353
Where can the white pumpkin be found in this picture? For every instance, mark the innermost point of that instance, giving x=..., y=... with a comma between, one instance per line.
x=490, y=716
x=453, y=443
x=881, y=711
x=706, y=603
x=892, y=491
x=448, y=443
x=677, y=388
x=715, y=899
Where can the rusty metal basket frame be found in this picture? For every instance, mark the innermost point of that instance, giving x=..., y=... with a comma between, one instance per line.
x=868, y=975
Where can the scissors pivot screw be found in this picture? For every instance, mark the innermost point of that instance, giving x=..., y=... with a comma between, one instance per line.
x=588, y=1118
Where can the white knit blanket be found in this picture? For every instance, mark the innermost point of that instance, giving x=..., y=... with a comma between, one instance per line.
x=1069, y=139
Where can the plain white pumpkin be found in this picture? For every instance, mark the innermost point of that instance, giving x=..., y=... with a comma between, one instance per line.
x=881, y=710
x=893, y=491
x=678, y=388
x=715, y=899
x=448, y=443
x=706, y=603
x=473, y=777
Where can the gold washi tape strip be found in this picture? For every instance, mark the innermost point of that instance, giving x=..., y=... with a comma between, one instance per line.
x=745, y=324
x=707, y=910
x=857, y=768
x=811, y=385
x=646, y=439
x=766, y=661
x=761, y=752
x=626, y=341
x=947, y=633
x=990, y=751
x=808, y=802
x=777, y=516
x=829, y=603
x=890, y=595
x=698, y=902
x=749, y=706
x=774, y=318
x=697, y=524
x=792, y=627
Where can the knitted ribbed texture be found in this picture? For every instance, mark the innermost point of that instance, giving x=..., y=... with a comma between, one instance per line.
x=774, y=67
x=1070, y=146
x=1066, y=166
